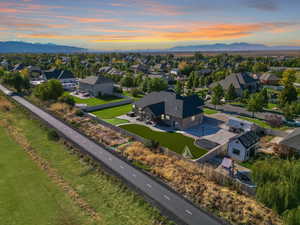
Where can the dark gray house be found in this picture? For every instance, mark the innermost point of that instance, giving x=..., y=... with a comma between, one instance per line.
x=168, y=108
x=65, y=76
x=240, y=81
x=96, y=85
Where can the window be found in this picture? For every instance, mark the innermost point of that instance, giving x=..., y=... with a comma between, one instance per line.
x=167, y=117
x=236, y=151
x=193, y=118
x=162, y=116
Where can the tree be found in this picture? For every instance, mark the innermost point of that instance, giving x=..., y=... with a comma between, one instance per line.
x=259, y=67
x=217, y=95
x=265, y=97
x=67, y=98
x=287, y=95
x=230, y=94
x=288, y=77
x=50, y=90
x=157, y=84
x=255, y=103
x=245, y=96
x=179, y=87
x=16, y=81
x=127, y=81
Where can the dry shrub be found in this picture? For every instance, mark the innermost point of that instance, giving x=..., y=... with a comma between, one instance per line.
x=5, y=105
x=195, y=183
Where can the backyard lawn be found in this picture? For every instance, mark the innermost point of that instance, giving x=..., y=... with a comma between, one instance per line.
x=208, y=111
x=110, y=114
x=27, y=196
x=262, y=123
x=97, y=101
x=174, y=141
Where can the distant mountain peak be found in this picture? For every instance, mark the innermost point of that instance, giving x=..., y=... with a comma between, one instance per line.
x=27, y=47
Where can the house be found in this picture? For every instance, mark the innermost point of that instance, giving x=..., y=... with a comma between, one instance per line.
x=34, y=71
x=19, y=67
x=240, y=81
x=175, y=72
x=269, y=79
x=292, y=140
x=161, y=75
x=104, y=69
x=64, y=76
x=139, y=68
x=238, y=125
x=97, y=85
x=243, y=146
x=168, y=108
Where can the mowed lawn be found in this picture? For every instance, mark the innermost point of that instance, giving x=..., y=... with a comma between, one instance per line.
x=110, y=114
x=173, y=141
x=97, y=101
x=208, y=111
x=27, y=196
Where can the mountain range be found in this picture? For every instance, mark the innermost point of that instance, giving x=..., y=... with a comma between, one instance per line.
x=26, y=47
x=240, y=46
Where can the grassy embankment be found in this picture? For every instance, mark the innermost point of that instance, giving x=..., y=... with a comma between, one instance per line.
x=107, y=195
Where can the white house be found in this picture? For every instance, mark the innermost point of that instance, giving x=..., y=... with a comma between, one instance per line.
x=243, y=147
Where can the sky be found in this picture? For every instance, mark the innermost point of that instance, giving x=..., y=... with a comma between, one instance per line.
x=150, y=24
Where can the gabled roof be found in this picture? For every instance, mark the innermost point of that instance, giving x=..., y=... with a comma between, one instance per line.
x=248, y=139
x=19, y=67
x=237, y=79
x=58, y=74
x=292, y=140
x=269, y=77
x=174, y=105
x=92, y=80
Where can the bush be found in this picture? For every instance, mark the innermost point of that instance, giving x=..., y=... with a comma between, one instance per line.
x=292, y=217
x=53, y=135
x=79, y=112
x=274, y=120
x=68, y=99
x=152, y=144
x=118, y=90
x=135, y=92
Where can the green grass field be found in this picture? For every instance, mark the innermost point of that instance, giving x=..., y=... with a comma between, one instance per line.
x=262, y=123
x=208, y=111
x=27, y=196
x=110, y=114
x=174, y=141
x=97, y=101
x=111, y=199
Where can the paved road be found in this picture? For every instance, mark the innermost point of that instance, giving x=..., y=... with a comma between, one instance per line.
x=174, y=203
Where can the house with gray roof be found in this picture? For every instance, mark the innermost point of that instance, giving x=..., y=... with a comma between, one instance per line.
x=64, y=76
x=168, y=108
x=269, y=79
x=240, y=81
x=97, y=85
x=292, y=140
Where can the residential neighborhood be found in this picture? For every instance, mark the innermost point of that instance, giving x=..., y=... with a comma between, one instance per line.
x=152, y=112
